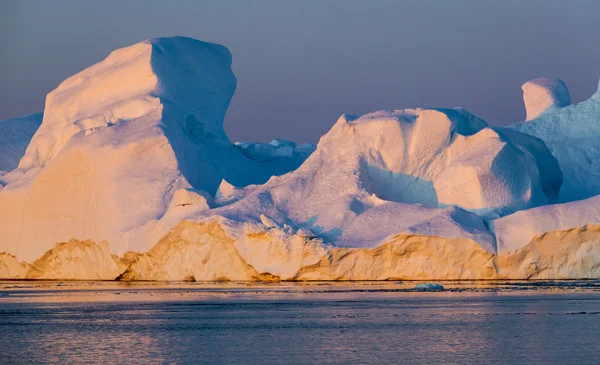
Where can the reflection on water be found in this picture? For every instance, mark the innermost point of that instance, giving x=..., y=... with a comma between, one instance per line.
x=306, y=328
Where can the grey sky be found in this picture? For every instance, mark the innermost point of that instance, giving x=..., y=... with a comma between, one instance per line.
x=300, y=64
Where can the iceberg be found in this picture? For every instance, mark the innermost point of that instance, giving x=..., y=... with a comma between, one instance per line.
x=117, y=141
x=429, y=286
x=129, y=175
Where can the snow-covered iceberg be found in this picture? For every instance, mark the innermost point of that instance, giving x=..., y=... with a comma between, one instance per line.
x=131, y=176
x=118, y=140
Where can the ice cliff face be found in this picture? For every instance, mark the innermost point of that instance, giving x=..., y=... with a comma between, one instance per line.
x=566, y=254
x=77, y=260
x=191, y=252
x=132, y=171
x=11, y=268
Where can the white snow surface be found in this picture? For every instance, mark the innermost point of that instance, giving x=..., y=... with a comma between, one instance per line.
x=572, y=134
x=432, y=157
x=188, y=81
x=132, y=152
x=386, y=173
x=517, y=230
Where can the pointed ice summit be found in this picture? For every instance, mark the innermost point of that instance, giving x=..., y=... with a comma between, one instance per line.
x=543, y=93
x=186, y=83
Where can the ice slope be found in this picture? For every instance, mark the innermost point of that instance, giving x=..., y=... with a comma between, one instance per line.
x=572, y=134
x=117, y=141
x=15, y=135
x=519, y=229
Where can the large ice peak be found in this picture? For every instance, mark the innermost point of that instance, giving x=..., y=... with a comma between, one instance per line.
x=441, y=157
x=189, y=81
x=542, y=93
x=127, y=142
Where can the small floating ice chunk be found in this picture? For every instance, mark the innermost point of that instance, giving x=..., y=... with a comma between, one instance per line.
x=429, y=286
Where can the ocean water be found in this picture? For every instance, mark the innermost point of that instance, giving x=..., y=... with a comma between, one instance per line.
x=314, y=325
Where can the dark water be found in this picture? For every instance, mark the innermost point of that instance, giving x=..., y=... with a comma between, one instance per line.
x=300, y=328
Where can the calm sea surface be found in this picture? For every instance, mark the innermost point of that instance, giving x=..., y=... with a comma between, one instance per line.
x=131, y=325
